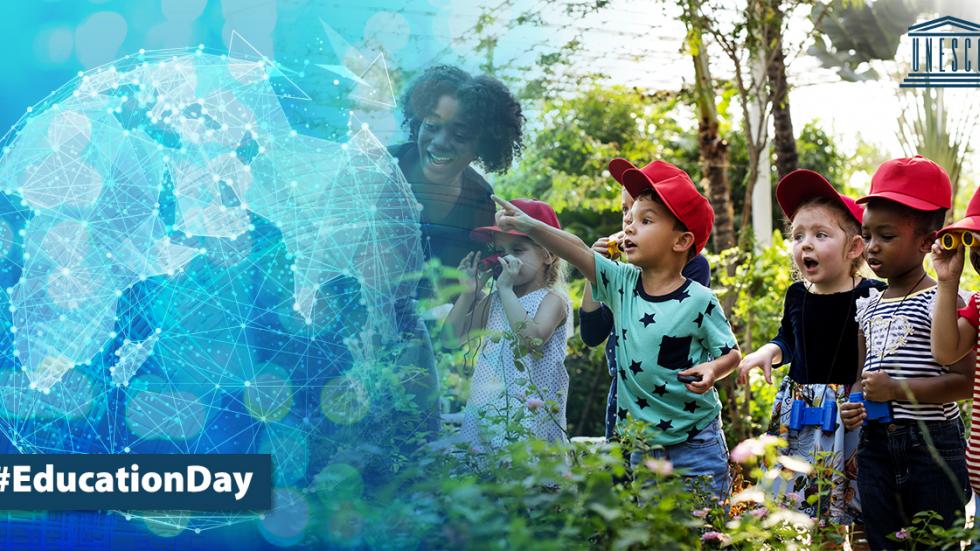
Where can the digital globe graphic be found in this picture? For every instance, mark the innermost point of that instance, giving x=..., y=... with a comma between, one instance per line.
x=181, y=271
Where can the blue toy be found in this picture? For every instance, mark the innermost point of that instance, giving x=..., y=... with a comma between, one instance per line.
x=824, y=416
x=877, y=411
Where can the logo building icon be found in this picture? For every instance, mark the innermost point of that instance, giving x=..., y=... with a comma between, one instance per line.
x=945, y=54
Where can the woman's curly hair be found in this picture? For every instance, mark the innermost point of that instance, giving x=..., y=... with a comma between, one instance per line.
x=486, y=105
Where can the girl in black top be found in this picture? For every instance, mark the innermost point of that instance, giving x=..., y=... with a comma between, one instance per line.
x=818, y=337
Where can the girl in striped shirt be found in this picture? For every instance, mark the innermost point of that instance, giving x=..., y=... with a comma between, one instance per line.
x=914, y=461
x=953, y=337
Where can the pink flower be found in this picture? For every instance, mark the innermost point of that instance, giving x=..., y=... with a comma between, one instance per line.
x=795, y=498
x=716, y=536
x=659, y=466
x=902, y=534
x=534, y=403
x=701, y=513
x=747, y=450
x=761, y=512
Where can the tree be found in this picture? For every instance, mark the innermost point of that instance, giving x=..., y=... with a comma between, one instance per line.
x=714, y=149
x=783, y=139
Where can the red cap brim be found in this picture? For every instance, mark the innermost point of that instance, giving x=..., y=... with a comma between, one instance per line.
x=902, y=199
x=618, y=166
x=970, y=223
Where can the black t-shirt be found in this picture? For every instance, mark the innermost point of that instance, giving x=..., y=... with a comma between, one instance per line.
x=818, y=334
x=447, y=238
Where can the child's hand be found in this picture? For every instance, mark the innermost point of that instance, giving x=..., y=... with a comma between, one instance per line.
x=511, y=266
x=707, y=378
x=948, y=264
x=470, y=266
x=601, y=246
x=878, y=386
x=511, y=218
x=756, y=359
x=852, y=414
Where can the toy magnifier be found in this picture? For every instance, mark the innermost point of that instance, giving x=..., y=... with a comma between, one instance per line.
x=952, y=239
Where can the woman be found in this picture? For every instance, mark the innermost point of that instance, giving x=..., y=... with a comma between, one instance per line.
x=454, y=120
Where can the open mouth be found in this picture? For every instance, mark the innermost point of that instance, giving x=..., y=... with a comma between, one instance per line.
x=438, y=160
x=628, y=245
x=810, y=264
x=874, y=263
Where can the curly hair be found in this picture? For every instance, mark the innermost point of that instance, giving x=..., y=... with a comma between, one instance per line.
x=486, y=104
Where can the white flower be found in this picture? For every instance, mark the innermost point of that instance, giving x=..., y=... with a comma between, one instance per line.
x=795, y=464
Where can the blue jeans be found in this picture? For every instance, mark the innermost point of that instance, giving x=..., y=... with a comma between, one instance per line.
x=703, y=459
x=898, y=477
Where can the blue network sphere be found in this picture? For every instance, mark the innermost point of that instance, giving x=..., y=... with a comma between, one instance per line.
x=183, y=272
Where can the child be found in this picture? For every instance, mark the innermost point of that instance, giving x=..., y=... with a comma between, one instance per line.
x=818, y=337
x=596, y=319
x=528, y=304
x=668, y=326
x=954, y=338
x=897, y=474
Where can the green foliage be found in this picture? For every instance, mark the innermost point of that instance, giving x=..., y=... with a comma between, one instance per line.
x=851, y=35
x=565, y=162
x=757, y=284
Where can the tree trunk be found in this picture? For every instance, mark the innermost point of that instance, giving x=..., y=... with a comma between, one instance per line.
x=714, y=150
x=783, y=140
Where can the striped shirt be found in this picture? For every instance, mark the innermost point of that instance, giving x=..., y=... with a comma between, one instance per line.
x=897, y=341
x=972, y=313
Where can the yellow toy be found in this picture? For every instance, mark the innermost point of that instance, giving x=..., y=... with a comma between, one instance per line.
x=614, y=250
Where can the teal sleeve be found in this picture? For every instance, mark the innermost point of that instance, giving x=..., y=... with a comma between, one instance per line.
x=608, y=275
x=716, y=332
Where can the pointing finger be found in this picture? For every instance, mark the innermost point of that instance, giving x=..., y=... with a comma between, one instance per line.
x=505, y=204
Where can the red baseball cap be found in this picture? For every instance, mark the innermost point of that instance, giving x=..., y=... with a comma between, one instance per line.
x=802, y=185
x=539, y=210
x=970, y=222
x=916, y=182
x=656, y=171
x=678, y=192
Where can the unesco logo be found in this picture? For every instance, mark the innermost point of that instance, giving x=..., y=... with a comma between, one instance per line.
x=945, y=54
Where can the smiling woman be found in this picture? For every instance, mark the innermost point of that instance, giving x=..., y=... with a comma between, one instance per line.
x=454, y=120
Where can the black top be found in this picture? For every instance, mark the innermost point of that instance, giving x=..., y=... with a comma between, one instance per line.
x=448, y=238
x=818, y=334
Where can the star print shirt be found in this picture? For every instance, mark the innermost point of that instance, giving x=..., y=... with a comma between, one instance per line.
x=660, y=336
x=897, y=340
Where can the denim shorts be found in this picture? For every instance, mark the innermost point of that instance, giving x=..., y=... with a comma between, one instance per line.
x=703, y=460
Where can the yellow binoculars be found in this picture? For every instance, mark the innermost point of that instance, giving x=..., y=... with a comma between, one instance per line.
x=952, y=239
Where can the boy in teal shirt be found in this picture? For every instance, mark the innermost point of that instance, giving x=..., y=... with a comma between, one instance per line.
x=669, y=327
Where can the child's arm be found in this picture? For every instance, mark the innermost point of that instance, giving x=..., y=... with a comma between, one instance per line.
x=533, y=332
x=589, y=303
x=853, y=414
x=952, y=336
x=596, y=320
x=712, y=371
x=955, y=385
x=764, y=358
x=559, y=242
x=719, y=342
x=770, y=353
x=469, y=311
